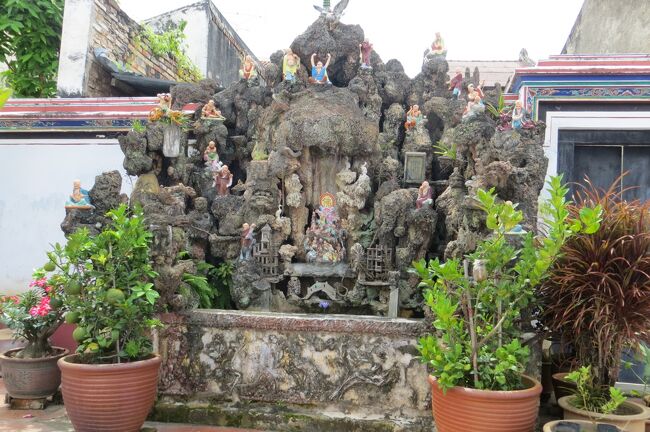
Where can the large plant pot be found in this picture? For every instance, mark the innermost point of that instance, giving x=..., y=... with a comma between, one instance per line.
x=108, y=397
x=463, y=409
x=562, y=386
x=634, y=422
x=31, y=378
x=585, y=426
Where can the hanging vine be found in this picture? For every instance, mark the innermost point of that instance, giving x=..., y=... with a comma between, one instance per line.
x=30, y=37
x=171, y=42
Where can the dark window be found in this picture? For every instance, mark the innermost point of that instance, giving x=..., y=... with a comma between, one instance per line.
x=605, y=155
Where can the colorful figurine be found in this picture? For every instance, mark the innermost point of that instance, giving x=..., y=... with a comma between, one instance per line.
x=456, y=84
x=79, y=199
x=248, y=71
x=365, y=49
x=438, y=46
x=324, y=239
x=319, y=71
x=437, y=49
x=425, y=195
x=211, y=157
x=414, y=118
x=211, y=112
x=518, y=116
x=479, y=270
x=247, y=242
x=163, y=109
x=290, y=66
x=164, y=101
x=474, y=100
x=223, y=180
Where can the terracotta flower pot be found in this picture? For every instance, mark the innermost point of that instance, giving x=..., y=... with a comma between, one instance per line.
x=585, y=426
x=464, y=409
x=108, y=397
x=633, y=422
x=562, y=386
x=31, y=378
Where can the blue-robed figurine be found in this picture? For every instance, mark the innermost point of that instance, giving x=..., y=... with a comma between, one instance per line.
x=319, y=71
x=79, y=199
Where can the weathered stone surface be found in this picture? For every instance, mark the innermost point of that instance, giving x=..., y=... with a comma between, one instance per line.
x=136, y=160
x=145, y=184
x=358, y=364
x=342, y=42
x=249, y=290
x=330, y=121
x=431, y=82
x=393, y=83
x=226, y=212
x=105, y=193
x=184, y=93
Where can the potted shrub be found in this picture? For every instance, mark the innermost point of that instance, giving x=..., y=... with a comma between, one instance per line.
x=110, y=383
x=476, y=357
x=597, y=297
x=31, y=372
x=602, y=403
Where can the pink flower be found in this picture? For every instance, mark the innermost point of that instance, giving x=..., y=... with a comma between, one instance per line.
x=48, y=289
x=42, y=309
x=38, y=282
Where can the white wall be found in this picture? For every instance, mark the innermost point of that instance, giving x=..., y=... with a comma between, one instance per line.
x=35, y=181
x=75, y=37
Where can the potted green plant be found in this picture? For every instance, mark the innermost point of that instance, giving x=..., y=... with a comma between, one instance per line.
x=595, y=402
x=31, y=372
x=476, y=355
x=597, y=297
x=110, y=383
x=447, y=157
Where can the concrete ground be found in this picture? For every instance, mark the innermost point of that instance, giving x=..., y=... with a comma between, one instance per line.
x=54, y=419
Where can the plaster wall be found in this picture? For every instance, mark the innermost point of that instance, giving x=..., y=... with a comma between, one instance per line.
x=37, y=178
x=610, y=27
x=75, y=40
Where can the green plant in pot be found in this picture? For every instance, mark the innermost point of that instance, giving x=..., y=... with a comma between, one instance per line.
x=597, y=297
x=110, y=383
x=476, y=355
x=31, y=372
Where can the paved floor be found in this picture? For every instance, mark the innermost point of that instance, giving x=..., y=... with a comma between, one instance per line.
x=53, y=419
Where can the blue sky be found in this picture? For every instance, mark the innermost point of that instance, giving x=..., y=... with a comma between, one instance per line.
x=472, y=29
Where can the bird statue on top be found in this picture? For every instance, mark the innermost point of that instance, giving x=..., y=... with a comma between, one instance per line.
x=332, y=16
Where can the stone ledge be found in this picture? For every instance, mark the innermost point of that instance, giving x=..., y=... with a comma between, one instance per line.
x=300, y=323
x=280, y=417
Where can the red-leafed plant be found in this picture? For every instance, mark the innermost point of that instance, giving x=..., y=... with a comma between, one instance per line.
x=598, y=294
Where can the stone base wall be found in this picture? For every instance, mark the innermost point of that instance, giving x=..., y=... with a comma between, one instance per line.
x=265, y=370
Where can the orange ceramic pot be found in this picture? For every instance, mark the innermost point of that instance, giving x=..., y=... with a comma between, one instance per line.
x=109, y=397
x=464, y=409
